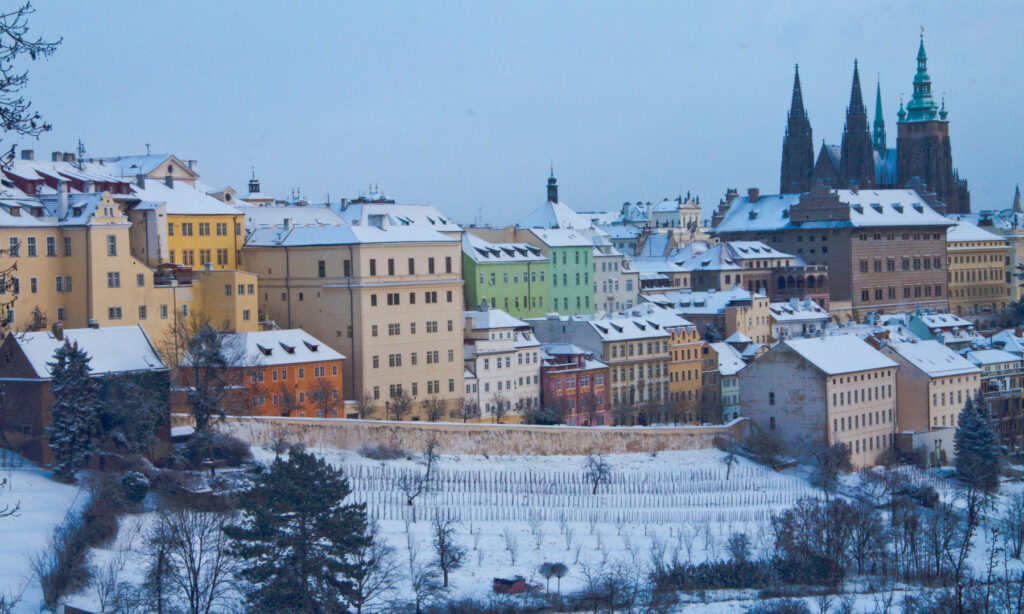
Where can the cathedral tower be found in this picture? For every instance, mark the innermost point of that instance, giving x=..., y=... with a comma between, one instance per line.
x=922, y=143
x=878, y=132
x=856, y=160
x=797, y=145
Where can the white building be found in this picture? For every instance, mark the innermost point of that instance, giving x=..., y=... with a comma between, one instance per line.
x=796, y=318
x=504, y=358
x=616, y=284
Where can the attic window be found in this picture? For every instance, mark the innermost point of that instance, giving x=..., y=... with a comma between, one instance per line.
x=858, y=208
x=877, y=207
x=312, y=346
x=288, y=348
x=617, y=328
x=918, y=207
x=601, y=328
x=753, y=214
x=898, y=207
x=265, y=351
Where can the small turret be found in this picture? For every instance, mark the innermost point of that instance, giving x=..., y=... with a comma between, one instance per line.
x=1016, y=200
x=552, y=186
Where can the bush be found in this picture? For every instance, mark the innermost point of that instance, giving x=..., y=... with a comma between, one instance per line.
x=713, y=575
x=382, y=452
x=99, y=518
x=766, y=446
x=780, y=606
x=135, y=486
x=62, y=569
x=215, y=446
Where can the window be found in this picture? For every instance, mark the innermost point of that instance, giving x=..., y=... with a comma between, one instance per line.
x=246, y=315
x=432, y=326
x=111, y=246
x=163, y=312
x=347, y=268
x=142, y=312
x=204, y=229
x=394, y=329
x=394, y=360
x=394, y=298
x=170, y=256
x=113, y=279
x=373, y=266
x=238, y=229
x=373, y=330
x=391, y=266
x=31, y=246
x=114, y=313
x=449, y=296
x=430, y=266
x=187, y=257
x=447, y=264
x=51, y=246
x=170, y=229
x=33, y=285
x=222, y=257
x=14, y=246
x=412, y=266
x=373, y=300
x=771, y=399
x=204, y=257
x=222, y=229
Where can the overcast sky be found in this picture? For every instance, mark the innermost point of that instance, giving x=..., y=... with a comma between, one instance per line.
x=464, y=105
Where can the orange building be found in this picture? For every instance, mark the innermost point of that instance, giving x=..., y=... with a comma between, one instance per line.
x=286, y=373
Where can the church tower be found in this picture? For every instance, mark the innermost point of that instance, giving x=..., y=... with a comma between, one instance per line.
x=856, y=160
x=797, y=145
x=878, y=132
x=552, y=186
x=922, y=143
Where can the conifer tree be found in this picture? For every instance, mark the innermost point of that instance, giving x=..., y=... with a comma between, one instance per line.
x=298, y=538
x=74, y=427
x=977, y=447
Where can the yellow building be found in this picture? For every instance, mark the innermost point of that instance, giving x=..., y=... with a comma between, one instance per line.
x=388, y=298
x=977, y=271
x=75, y=264
x=684, y=364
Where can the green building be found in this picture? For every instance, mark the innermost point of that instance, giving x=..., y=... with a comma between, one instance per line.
x=571, y=264
x=513, y=277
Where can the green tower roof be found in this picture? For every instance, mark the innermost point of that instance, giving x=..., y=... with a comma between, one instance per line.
x=922, y=106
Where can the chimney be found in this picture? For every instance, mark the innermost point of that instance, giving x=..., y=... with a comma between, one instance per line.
x=140, y=180
x=28, y=154
x=69, y=157
x=193, y=166
x=169, y=180
x=62, y=199
x=753, y=194
x=55, y=157
x=287, y=223
x=58, y=331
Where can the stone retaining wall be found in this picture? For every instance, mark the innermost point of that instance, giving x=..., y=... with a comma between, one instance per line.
x=459, y=438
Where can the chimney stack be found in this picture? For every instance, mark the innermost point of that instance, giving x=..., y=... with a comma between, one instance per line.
x=28, y=154
x=55, y=157
x=58, y=331
x=140, y=180
x=62, y=199
x=753, y=194
x=193, y=166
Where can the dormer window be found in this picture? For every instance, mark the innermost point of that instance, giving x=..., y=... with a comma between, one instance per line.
x=287, y=348
x=264, y=351
x=312, y=346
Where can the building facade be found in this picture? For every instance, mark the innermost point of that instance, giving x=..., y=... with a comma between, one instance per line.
x=573, y=383
x=513, y=277
x=977, y=271
x=504, y=358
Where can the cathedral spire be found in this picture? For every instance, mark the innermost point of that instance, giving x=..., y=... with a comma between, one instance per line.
x=856, y=161
x=1016, y=200
x=922, y=106
x=797, y=145
x=878, y=135
x=552, y=186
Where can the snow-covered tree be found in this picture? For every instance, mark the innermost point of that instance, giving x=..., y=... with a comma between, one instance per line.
x=74, y=427
x=299, y=539
x=977, y=447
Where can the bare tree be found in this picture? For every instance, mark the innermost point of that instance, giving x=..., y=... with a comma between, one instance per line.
x=9, y=509
x=425, y=587
x=399, y=405
x=469, y=409
x=511, y=544
x=590, y=406
x=416, y=484
x=559, y=570
x=374, y=571
x=598, y=471
x=288, y=400
x=434, y=408
x=829, y=462
x=365, y=407
x=499, y=406
x=449, y=553
x=199, y=569
x=212, y=366
x=326, y=397
x=621, y=412
x=1013, y=520
x=728, y=444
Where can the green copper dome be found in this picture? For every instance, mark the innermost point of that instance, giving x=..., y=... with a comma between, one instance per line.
x=922, y=106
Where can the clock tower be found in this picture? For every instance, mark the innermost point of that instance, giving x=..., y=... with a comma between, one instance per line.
x=922, y=143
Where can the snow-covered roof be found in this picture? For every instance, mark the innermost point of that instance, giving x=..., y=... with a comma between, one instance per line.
x=991, y=357
x=184, y=199
x=868, y=208
x=129, y=166
x=481, y=251
x=730, y=362
x=559, y=237
x=525, y=339
x=1009, y=341
x=738, y=337
x=839, y=354
x=667, y=318
x=709, y=302
x=966, y=232
x=342, y=235
x=554, y=215
x=796, y=310
x=557, y=349
x=666, y=206
x=115, y=349
x=942, y=320
x=280, y=347
x=619, y=231
x=426, y=216
x=933, y=358
x=274, y=215
x=493, y=319
x=627, y=328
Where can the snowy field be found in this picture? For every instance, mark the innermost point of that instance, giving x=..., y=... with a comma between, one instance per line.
x=673, y=504
x=44, y=504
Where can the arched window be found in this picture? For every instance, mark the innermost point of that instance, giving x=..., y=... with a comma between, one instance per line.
x=810, y=282
x=790, y=282
x=821, y=281
x=782, y=283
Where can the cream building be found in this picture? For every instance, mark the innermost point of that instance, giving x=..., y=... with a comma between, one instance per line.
x=388, y=298
x=977, y=271
x=504, y=357
x=932, y=385
x=834, y=389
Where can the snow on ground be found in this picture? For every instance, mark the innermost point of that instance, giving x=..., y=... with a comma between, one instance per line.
x=669, y=504
x=44, y=505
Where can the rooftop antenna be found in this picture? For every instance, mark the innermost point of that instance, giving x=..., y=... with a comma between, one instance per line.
x=147, y=149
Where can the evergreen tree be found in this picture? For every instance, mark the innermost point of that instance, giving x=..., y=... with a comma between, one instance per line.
x=977, y=447
x=74, y=428
x=299, y=539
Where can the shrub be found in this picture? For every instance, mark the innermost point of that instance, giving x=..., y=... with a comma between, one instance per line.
x=765, y=445
x=780, y=606
x=62, y=569
x=215, y=446
x=135, y=486
x=383, y=452
x=713, y=575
